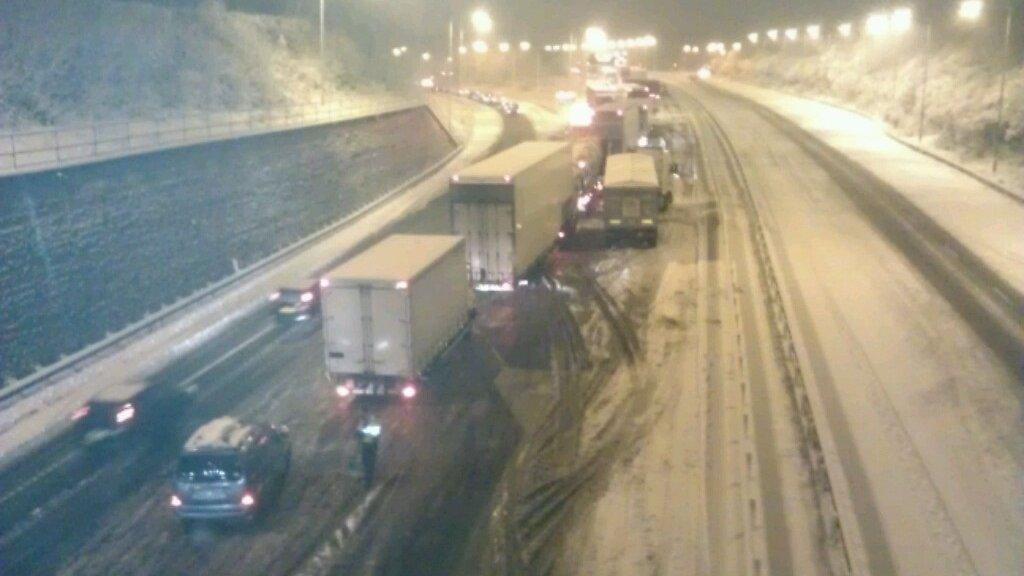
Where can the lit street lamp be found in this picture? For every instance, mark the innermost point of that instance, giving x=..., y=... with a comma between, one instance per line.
x=480, y=47
x=425, y=56
x=482, y=21
x=524, y=46
x=503, y=47
x=792, y=34
x=753, y=37
x=773, y=35
x=814, y=32
x=845, y=29
x=877, y=25
x=971, y=10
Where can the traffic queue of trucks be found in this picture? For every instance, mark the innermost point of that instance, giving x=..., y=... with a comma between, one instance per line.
x=390, y=311
x=511, y=208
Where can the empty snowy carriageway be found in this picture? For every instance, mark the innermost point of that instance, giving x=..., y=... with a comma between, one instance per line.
x=926, y=418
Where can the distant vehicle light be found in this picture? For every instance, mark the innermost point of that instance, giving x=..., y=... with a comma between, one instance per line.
x=126, y=413
x=619, y=112
x=508, y=178
x=561, y=235
x=82, y=412
x=643, y=142
x=401, y=285
x=175, y=501
x=581, y=164
x=581, y=115
x=565, y=96
x=307, y=297
x=372, y=430
x=247, y=500
x=704, y=73
x=427, y=83
x=325, y=282
x=274, y=296
x=343, y=391
x=455, y=178
x=408, y=391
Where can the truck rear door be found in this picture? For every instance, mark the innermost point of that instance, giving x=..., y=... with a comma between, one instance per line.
x=343, y=330
x=391, y=348
x=490, y=239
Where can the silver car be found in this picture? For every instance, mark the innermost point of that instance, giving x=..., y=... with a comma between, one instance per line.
x=229, y=470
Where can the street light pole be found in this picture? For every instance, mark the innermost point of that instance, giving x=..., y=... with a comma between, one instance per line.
x=1002, y=83
x=321, y=29
x=924, y=81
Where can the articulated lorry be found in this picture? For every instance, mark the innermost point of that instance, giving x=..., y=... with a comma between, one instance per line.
x=632, y=197
x=511, y=209
x=391, y=310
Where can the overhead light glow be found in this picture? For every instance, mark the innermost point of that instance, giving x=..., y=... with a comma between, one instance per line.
x=737, y=46
x=792, y=34
x=480, y=47
x=902, y=20
x=845, y=29
x=813, y=32
x=773, y=35
x=425, y=56
x=971, y=9
x=524, y=46
x=877, y=25
x=753, y=37
x=595, y=39
x=482, y=22
x=503, y=47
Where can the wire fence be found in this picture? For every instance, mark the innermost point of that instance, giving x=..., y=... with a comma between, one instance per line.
x=57, y=147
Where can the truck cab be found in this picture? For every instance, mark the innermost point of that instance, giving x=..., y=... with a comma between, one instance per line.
x=297, y=300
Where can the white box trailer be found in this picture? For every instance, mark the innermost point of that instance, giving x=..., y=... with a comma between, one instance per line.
x=619, y=125
x=511, y=208
x=391, y=310
x=632, y=197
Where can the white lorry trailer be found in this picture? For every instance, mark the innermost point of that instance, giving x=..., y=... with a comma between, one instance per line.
x=632, y=197
x=511, y=209
x=391, y=310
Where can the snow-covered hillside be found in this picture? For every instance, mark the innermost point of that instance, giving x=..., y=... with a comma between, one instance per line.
x=883, y=78
x=64, y=61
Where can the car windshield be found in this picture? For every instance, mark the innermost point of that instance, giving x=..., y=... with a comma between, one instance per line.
x=291, y=296
x=208, y=468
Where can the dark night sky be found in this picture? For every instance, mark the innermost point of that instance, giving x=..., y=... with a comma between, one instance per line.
x=545, y=21
x=673, y=21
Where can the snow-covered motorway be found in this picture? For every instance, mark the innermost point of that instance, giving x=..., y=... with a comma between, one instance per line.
x=65, y=511
x=924, y=418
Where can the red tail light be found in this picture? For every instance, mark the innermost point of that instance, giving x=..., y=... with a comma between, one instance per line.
x=80, y=413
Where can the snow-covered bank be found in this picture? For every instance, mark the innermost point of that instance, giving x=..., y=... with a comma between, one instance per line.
x=882, y=79
x=68, y=61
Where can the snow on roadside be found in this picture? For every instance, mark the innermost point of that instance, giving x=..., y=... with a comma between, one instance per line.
x=882, y=80
x=69, y=61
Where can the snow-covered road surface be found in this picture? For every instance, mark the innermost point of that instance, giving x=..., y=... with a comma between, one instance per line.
x=29, y=422
x=927, y=418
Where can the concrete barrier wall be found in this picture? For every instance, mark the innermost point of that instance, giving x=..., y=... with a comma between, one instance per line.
x=36, y=150
x=90, y=249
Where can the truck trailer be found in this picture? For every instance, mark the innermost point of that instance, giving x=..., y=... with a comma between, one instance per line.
x=511, y=209
x=391, y=310
x=632, y=197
